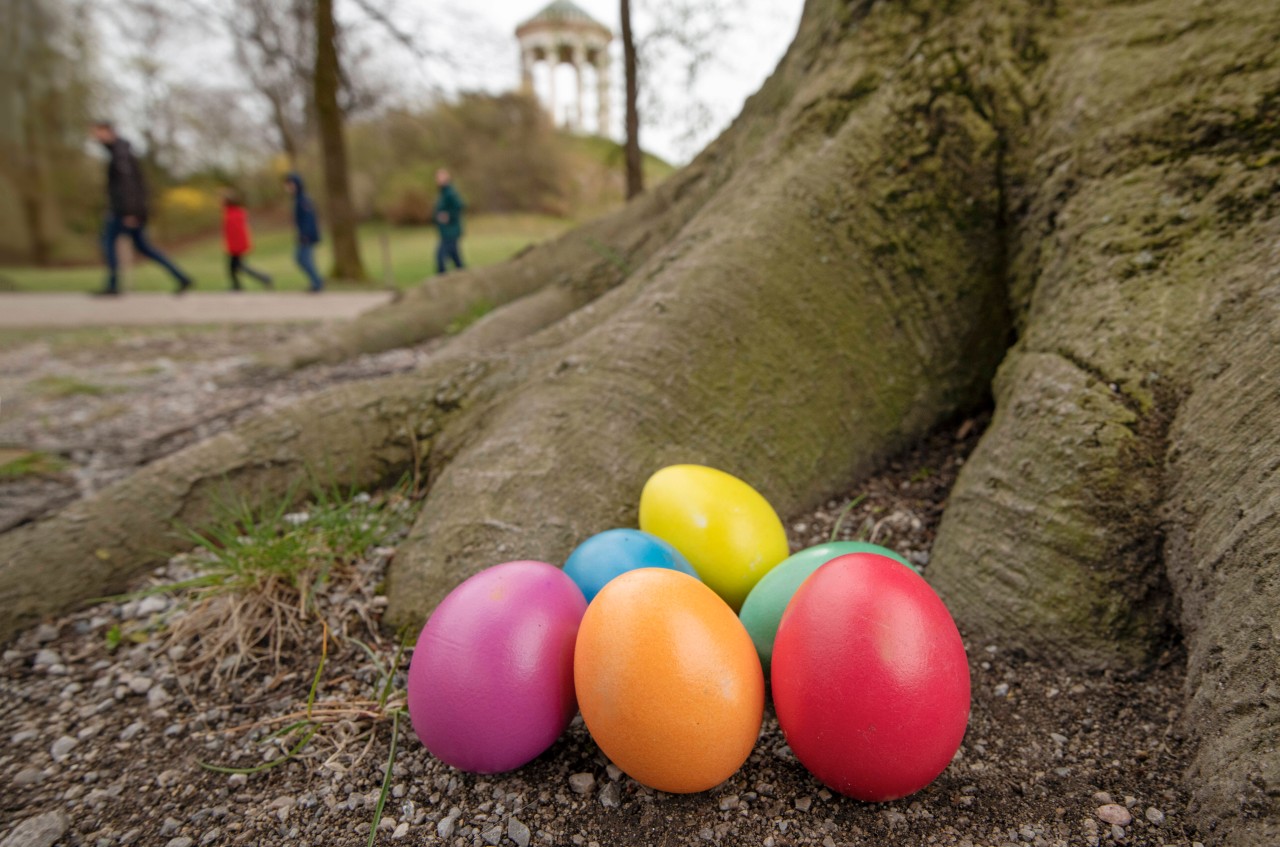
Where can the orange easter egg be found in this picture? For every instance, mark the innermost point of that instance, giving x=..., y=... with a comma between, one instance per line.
x=668, y=681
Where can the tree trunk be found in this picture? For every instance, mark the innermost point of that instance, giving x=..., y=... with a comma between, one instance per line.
x=910, y=192
x=634, y=160
x=37, y=198
x=338, y=206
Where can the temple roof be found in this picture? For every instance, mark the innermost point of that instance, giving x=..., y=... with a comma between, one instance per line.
x=563, y=12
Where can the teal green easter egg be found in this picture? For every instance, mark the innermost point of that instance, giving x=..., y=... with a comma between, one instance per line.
x=762, y=611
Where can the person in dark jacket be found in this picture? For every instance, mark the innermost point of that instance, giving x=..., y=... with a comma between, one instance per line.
x=449, y=209
x=235, y=236
x=308, y=227
x=127, y=210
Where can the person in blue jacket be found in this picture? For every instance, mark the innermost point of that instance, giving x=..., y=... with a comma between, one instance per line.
x=308, y=227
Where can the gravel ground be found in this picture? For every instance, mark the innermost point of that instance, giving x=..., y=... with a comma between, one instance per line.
x=105, y=402
x=102, y=747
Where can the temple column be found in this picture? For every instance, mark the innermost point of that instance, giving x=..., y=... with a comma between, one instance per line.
x=553, y=62
x=602, y=92
x=579, y=109
x=526, y=71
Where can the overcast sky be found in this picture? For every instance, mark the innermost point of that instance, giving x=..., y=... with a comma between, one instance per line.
x=747, y=53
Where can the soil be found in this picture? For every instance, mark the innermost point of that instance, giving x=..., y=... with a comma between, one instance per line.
x=103, y=746
x=105, y=402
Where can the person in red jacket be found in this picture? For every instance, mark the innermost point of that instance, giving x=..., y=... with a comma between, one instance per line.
x=235, y=234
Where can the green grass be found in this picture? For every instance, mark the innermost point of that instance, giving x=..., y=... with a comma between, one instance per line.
x=18, y=464
x=490, y=239
x=246, y=548
x=69, y=386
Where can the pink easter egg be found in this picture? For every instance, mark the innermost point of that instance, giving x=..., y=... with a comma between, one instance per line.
x=491, y=680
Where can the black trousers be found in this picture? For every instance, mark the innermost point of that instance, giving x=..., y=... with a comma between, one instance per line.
x=236, y=264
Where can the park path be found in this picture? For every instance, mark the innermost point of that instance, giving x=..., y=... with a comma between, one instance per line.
x=81, y=310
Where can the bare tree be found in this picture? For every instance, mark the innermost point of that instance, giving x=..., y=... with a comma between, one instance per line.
x=42, y=94
x=329, y=119
x=635, y=164
x=274, y=45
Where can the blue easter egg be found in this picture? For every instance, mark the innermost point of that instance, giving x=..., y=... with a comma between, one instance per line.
x=614, y=552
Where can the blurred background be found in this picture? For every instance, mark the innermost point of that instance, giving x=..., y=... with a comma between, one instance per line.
x=215, y=93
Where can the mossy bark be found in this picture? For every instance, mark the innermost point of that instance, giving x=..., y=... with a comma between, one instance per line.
x=839, y=294
x=1127, y=484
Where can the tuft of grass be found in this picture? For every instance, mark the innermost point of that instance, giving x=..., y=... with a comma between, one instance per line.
x=68, y=386
x=474, y=312
x=260, y=572
x=18, y=464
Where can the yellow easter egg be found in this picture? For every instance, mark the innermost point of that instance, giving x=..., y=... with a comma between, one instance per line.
x=724, y=527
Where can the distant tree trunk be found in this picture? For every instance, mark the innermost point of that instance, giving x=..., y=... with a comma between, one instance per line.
x=342, y=219
x=35, y=186
x=635, y=168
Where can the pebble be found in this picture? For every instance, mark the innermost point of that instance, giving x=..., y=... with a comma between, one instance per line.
x=1155, y=815
x=610, y=796
x=492, y=835
x=1114, y=814
x=157, y=697
x=582, y=783
x=728, y=804
x=45, y=633
x=614, y=772
x=181, y=841
x=24, y=736
x=401, y=831
x=40, y=831
x=803, y=803
x=1002, y=690
x=62, y=748
x=447, y=825
x=518, y=832
x=131, y=731
x=27, y=777
x=140, y=684
x=46, y=657
x=151, y=605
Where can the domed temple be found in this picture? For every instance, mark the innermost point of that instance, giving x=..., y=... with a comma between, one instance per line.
x=563, y=33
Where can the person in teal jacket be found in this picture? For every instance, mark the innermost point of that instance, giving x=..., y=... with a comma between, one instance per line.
x=449, y=208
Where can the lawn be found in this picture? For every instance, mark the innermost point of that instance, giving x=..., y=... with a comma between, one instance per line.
x=489, y=240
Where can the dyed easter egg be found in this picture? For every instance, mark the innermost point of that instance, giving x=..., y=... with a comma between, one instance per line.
x=727, y=531
x=768, y=600
x=612, y=553
x=491, y=680
x=870, y=679
x=668, y=681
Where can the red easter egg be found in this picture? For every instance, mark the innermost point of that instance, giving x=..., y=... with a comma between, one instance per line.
x=870, y=678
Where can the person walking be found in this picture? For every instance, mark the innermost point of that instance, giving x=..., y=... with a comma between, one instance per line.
x=308, y=228
x=127, y=210
x=235, y=235
x=449, y=208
